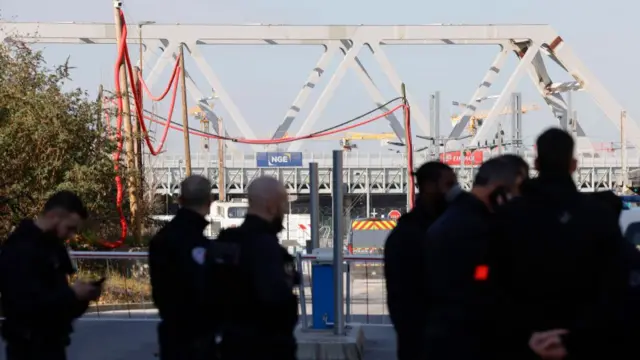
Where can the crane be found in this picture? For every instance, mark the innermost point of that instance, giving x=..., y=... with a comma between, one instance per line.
x=346, y=140
x=476, y=120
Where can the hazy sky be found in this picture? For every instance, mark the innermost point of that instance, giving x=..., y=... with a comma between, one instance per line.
x=263, y=81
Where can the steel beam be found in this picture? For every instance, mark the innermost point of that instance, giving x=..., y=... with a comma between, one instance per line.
x=326, y=95
x=312, y=80
x=104, y=33
x=394, y=79
x=542, y=81
x=610, y=107
x=374, y=93
x=203, y=103
x=480, y=93
x=544, y=37
x=219, y=89
x=487, y=130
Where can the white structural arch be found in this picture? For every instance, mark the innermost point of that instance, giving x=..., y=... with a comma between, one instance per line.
x=529, y=42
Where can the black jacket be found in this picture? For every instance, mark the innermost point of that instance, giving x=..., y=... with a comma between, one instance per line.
x=559, y=257
x=404, y=273
x=176, y=266
x=461, y=304
x=38, y=304
x=261, y=307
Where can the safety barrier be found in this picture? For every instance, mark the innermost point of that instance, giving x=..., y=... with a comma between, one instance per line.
x=127, y=292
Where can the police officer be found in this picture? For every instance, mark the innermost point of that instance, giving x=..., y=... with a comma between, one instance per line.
x=176, y=264
x=37, y=301
x=630, y=331
x=523, y=173
x=460, y=304
x=261, y=313
x=559, y=258
x=404, y=260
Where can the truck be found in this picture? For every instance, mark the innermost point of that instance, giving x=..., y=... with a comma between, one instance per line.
x=367, y=237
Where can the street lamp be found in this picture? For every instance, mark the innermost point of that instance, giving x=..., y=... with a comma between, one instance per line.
x=140, y=25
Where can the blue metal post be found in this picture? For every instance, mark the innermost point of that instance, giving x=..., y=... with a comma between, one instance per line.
x=337, y=195
x=322, y=295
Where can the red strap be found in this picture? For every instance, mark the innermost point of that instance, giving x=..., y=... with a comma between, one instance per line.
x=482, y=273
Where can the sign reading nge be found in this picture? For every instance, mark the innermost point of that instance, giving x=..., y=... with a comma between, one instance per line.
x=278, y=159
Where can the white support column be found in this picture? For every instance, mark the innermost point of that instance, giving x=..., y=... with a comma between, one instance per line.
x=480, y=92
x=375, y=94
x=312, y=80
x=225, y=98
x=488, y=128
x=326, y=95
x=388, y=69
x=610, y=107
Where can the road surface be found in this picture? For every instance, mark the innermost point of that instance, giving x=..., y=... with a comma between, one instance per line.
x=131, y=335
x=116, y=338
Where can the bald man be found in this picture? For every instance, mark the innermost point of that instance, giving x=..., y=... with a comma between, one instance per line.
x=261, y=309
x=176, y=264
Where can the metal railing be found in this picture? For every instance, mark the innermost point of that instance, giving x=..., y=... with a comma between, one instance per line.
x=372, y=159
x=127, y=292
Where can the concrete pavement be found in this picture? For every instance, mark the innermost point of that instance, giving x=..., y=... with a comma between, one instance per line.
x=116, y=338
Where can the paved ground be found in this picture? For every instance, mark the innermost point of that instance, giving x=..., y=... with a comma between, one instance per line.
x=131, y=335
x=135, y=339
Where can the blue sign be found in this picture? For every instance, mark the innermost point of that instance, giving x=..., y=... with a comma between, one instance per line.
x=278, y=159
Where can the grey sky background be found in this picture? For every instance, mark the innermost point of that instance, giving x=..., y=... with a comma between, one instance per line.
x=263, y=81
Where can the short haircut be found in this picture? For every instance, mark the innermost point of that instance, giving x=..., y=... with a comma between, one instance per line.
x=67, y=201
x=555, y=151
x=517, y=162
x=195, y=191
x=496, y=170
x=430, y=173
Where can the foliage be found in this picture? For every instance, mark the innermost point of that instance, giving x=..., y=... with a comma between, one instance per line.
x=121, y=286
x=51, y=139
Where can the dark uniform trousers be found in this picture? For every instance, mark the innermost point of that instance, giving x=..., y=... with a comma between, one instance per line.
x=176, y=346
x=35, y=351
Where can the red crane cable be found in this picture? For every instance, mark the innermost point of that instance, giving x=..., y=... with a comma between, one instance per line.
x=118, y=151
x=179, y=127
x=274, y=141
x=174, y=77
x=123, y=57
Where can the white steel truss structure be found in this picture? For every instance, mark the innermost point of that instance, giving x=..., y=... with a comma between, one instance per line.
x=529, y=42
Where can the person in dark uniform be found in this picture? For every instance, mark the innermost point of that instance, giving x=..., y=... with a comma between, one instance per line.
x=523, y=173
x=630, y=332
x=38, y=304
x=261, y=310
x=403, y=258
x=460, y=305
x=176, y=264
x=558, y=256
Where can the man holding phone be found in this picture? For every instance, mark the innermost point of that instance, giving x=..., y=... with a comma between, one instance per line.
x=38, y=303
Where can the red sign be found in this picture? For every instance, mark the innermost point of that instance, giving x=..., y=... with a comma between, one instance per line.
x=394, y=214
x=471, y=158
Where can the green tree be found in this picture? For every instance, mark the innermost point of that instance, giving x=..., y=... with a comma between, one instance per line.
x=51, y=139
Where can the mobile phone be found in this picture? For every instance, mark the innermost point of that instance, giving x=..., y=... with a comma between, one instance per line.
x=100, y=281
